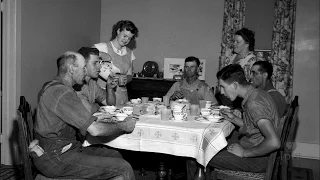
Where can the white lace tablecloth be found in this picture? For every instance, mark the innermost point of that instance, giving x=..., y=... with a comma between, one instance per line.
x=199, y=140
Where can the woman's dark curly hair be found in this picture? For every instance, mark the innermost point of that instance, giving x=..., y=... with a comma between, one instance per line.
x=248, y=36
x=124, y=25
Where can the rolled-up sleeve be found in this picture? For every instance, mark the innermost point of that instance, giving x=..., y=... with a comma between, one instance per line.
x=71, y=110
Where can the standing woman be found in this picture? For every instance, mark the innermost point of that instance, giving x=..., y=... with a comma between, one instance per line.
x=121, y=64
x=243, y=48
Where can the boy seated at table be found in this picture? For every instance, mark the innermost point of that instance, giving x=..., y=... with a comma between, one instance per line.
x=259, y=125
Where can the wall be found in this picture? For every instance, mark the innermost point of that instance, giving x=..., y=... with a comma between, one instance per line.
x=184, y=27
x=49, y=28
x=306, y=76
x=259, y=18
x=168, y=28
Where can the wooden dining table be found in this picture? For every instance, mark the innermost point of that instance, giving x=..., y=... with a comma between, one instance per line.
x=200, y=140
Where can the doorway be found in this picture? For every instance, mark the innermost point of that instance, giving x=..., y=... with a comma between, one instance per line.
x=10, y=74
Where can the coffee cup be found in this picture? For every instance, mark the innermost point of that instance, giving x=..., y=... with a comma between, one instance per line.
x=122, y=79
x=205, y=111
x=136, y=101
x=145, y=99
x=215, y=111
x=156, y=99
x=208, y=104
x=179, y=116
x=127, y=110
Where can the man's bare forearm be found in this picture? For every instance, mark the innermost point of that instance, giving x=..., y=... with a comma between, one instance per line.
x=262, y=149
x=237, y=121
x=107, y=129
x=111, y=97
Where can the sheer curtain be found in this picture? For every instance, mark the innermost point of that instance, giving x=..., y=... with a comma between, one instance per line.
x=282, y=49
x=233, y=20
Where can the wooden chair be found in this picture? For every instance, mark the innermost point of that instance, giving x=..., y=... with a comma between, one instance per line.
x=25, y=124
x=26, y=111
x=279, y=161
x=24, y=142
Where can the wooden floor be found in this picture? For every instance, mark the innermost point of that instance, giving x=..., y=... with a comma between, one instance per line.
x=303, y=169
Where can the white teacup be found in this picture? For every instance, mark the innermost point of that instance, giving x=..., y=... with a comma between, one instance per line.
x=127, y=110
x=215, y=111
x=208, y=104
x=156, y=99
x=205, y=111
x=121, y=116
x=136, y=101
x=179, y=116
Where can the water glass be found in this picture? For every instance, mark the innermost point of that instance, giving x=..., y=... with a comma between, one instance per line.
x=145, y=99
x=166, y=100
x=202, y=103
x=194, y=108
x=165, y=114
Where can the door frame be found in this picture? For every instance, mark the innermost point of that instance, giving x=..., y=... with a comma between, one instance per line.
x=11, y=75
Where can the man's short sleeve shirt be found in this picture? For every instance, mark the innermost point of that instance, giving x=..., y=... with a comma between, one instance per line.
x=257, y=105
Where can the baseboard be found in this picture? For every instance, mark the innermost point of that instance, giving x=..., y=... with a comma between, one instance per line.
x=306, y=150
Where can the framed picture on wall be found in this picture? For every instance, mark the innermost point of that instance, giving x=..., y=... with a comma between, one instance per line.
x=263, y=54
x=175, y=66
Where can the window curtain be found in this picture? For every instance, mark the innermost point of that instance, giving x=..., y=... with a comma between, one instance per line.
x=233, y=20
x=282, y=49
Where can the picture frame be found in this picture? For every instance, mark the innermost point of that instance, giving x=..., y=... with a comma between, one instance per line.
x=263, y=54
x=175, y=66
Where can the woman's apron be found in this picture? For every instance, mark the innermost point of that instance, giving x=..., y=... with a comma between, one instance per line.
x=120, y=64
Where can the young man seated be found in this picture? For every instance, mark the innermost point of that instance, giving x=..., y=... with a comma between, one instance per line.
x=261, y=72
x=191, y=88
x=259, y=124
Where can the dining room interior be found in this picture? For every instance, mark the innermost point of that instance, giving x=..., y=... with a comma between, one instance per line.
x=34, y=32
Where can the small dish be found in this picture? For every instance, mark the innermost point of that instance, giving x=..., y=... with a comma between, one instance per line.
x=127, y=110
x=136, y=101
x=121, y=116
x=108, y=109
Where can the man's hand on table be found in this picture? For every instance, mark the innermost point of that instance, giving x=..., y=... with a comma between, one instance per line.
x=236, y=149
x=129, y=124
